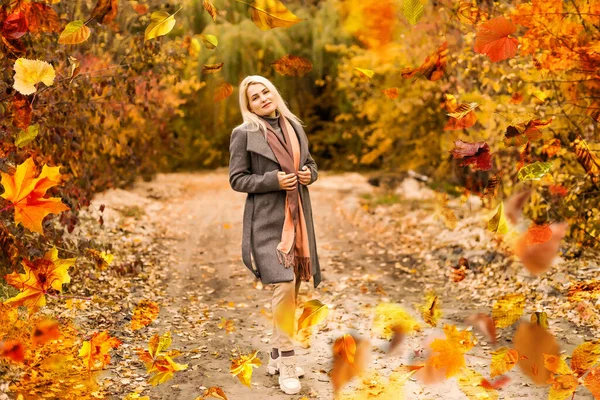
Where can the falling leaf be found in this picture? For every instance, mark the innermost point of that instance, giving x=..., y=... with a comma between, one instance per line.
x=413, y=11
x=212, y=68
x=158, y=361
x=45, y=331
x=497, y=384
x=391, y=321
x=365, y=73
x=476, y=154
x=592, y=381
x=313, y=313
x=215, y=392
x=494, y=41
x=468, y=13
x=430, y=310
x=226, y=324
x=485, y=324
x=520, y=131
x=498, y=222
x=503, y=360
x=517, y=98
x=26, y=194
x=144, y=313
x=342, y=371
x=514, y=205
x=434, y=66
x=540, y=318
x=29, y=73
x=462, y=110
x=269, y=14
x=459, y=272
x=587, y=159
x=532, y=341
x=508, y=309
x=242, y=367
x=535, y=171
x=538, y=257
x=26, y=137
x=21, y=111
x=41, y=276
x=538, y=234
x=210, y=9
x=210, y=41
x=584, y=357
x=13, y=350
x=161, y=23
x=105, y=11
x=345, y=347
x=74, y=33
x=223, y=91
x=292, y=65
x=449, y=354
x=95, y=351
x=470, y=382
x=558, y=190
x=391, y=93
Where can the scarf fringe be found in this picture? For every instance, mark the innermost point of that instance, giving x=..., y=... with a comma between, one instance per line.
x=302, y=265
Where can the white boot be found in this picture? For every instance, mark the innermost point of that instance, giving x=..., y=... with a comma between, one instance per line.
x=288, y=380
x=273, y=367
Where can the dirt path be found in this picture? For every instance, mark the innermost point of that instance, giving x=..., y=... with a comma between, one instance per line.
x=205, y=280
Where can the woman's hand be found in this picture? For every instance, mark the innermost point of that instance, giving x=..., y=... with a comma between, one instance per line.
x=287, y=181
x=304, y=175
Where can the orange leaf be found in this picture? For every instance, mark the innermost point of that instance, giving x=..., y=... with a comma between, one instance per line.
x=210, y=9
x=345, y=347
x=40, y=17
x=45, y=331
x=242, y=367
x=342, y=371
x=585, y=356
x=477, y=154
x=485, y=324
x=592, y=381
x=391, y=93
x=212, y=68
x=494, y=41
x=95, y=351
x=216, y=392
x=105, y=11
x=582, y=291
x=538, y=257
x=433, y=67
x=516, y=98
x=449, y=353
x=532, y=341
x=21, y=111
x=538, y=234
x=503, y=360
x=223, y=91
x=13, y=350
x=26, y=194
x=292, y=65
x=430, y=310
x=158, y=361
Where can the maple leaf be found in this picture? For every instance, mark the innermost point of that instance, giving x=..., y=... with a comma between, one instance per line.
x=215, y=392
x=40, y=277
x=26, y=194
x=434, y=66
x=95, y=351
x=13, y=350
x=158, y=361
x=494, y=41
x=143, y=314
x=242, y=367
x=449, y=354
x=477, y=154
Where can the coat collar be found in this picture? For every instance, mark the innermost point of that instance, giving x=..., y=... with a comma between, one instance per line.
x=257, y=143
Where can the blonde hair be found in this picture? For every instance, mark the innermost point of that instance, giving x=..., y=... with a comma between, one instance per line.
x=253, y=121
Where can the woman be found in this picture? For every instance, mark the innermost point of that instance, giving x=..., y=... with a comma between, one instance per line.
x=269, y=160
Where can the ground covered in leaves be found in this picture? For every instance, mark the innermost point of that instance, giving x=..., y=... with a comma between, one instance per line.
x=176, y=242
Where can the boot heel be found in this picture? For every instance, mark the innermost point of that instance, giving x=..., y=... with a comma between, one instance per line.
x=272, y=370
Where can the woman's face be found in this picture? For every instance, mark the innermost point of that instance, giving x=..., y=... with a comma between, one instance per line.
x=261, y=100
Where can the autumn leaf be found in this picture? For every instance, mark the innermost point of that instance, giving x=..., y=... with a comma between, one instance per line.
x=494, y=41
x=226, y=324
x=269, y=14
x=588, y=160
x=105, y=11
x=40, y=17
x=449, y=354
x=223, y=91
x=21, y=109
x=498, y=222
x=29, y=73
x=540, y=318
x=212, y=68
x=27, y=136
x=391, y=93
x=484, y=324
x=515, y=204
x=95, y=351
x=471, y=384
x=161, y=23
x=158, y=361
x=313, y=313
x=26, y=194
x=516, y=98
x=365, y=74
x=434, y=66
x=592, y=381
x=585, y=356
x=535, y=171
x=503, y=360
x=585, y=290
x=15, y=25
x=459, y=272
x=74, y=33
x=467, y=13
x=210, y=41
x=242, y=367
x=40, y=277
x=210, y=9
x=532, y=341
x=144, y=313
x=215, y=392
x=391, y=320
x=508, y=309
x=13, y=350
x=292, y=65
x=413, y=11
x=343, y=371
x=345, y=347
x=45, y=331
x=522, y=130
x=430, y=309
x=538, y=257
x=475, y=154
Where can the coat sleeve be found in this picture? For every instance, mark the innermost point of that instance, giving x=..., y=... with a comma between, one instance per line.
x=241, y=177
x=311, y=164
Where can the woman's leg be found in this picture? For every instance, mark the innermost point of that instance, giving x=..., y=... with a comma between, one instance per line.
x=283, y=306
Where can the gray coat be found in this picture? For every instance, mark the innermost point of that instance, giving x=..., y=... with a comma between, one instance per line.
x=253, y=169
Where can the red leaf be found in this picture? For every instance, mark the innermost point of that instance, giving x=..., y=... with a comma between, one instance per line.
x=494, y=41
x=477, y=154
x=15, y=25
x=497, y=384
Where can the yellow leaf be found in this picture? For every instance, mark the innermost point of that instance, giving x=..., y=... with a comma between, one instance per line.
x=503, y=360
x=269, y=14
x=449, y=354
x=540, y=318
x=95, y=351
x=584, y=357
x=498, y=222
x=314, y=312
x=216, y=392
x=391, y=318
x=143, y=314
x=29, y=73
x=430, y=310
x=469, y=382
x=226, y=324
x=26, y=194
x=210, y=41
x=508, y=309
x=75, y=32
x=563, y=387
x=365, y=72
x=242, y=367
x=556, y=364
x=161, y=23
